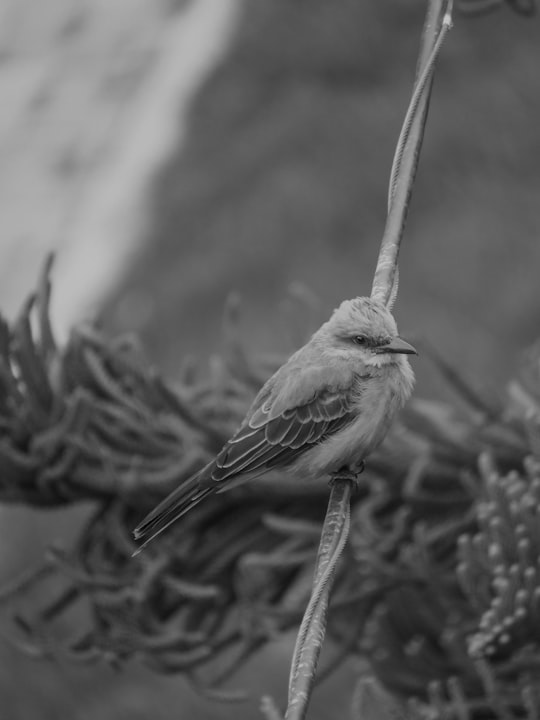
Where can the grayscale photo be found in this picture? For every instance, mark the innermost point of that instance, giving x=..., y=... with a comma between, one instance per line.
x=269, y=360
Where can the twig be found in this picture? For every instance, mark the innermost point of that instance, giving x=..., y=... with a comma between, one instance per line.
x=438, y=21
x=419, y=97
x=336, y=525
x=311, y=634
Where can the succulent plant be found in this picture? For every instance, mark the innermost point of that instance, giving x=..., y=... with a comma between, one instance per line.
x=440, y=582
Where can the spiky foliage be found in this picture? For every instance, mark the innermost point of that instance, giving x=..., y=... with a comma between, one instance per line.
x=94, y=422
x=439, y=587
x=453, y=550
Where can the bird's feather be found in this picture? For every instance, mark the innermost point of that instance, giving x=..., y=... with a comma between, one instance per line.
x=180, y=501
x=330, y=403
x=281, y=439
x=266, y=440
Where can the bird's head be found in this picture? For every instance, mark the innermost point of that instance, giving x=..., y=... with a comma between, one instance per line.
x=366, y=328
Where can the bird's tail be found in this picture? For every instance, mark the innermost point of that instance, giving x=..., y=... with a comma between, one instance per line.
x=178, y=503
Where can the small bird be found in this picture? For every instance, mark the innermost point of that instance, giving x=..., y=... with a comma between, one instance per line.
x=322, y=412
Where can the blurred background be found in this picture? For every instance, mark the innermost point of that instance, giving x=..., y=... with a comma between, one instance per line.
x=175, y=152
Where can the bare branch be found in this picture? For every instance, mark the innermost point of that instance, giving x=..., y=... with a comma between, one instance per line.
x=336, y=525
x=438, y=21
x=312, y=630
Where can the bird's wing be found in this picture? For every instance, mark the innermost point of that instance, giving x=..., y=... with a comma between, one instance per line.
x=292, y=413
x=276, y=433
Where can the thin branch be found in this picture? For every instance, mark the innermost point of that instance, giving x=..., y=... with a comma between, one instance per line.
x=336, y=525
x=312, y=630
x=438, y=21
x=419, y=96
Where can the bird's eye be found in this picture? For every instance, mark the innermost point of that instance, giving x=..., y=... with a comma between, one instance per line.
x=360, y=339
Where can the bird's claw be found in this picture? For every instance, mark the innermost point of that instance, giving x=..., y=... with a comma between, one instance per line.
x=346, y=473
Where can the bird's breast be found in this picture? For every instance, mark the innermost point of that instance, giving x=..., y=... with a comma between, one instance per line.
x=377, y=400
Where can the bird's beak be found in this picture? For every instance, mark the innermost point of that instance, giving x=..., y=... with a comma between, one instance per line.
x=397, y=346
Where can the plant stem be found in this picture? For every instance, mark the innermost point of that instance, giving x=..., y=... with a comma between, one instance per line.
x=437, y=23
x=312, y=630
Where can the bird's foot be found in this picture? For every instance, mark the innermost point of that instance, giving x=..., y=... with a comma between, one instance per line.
x=346, y=473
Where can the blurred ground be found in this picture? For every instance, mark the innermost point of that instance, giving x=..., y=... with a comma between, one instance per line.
x=277, y=176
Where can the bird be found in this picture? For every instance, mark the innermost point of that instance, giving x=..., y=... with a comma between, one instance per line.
x=322, y=412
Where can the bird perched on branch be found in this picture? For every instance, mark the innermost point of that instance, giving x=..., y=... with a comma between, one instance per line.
x=325, y=410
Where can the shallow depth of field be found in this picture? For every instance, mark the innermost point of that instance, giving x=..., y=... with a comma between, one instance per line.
x=178, y=153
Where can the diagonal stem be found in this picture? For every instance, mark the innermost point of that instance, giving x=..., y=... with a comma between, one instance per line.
x=337, y=521
x=312, y=630
x=415, y=110
x=437, y=23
